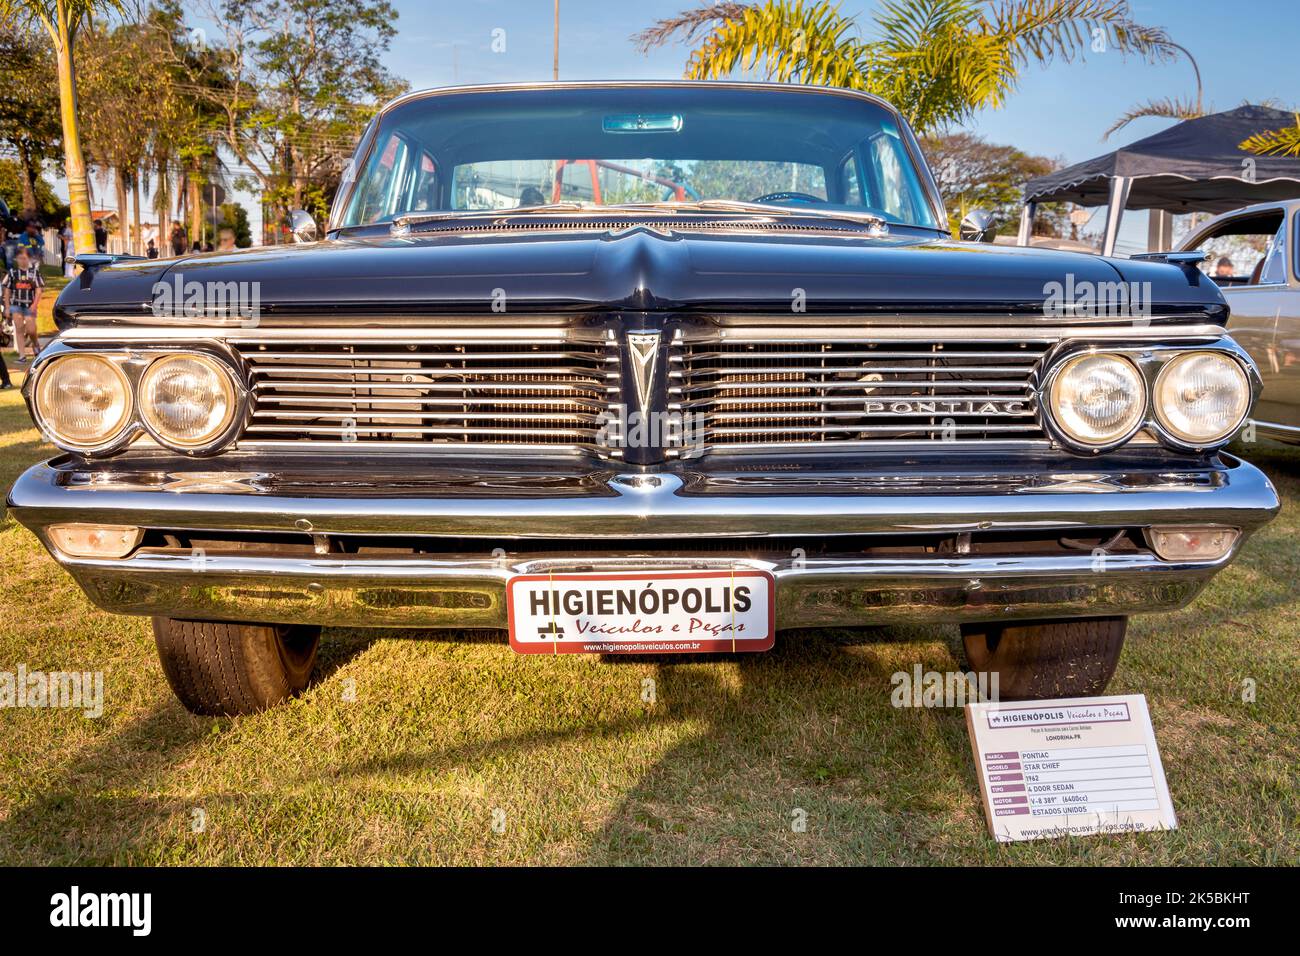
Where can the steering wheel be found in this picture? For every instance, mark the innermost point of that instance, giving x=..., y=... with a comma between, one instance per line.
x=788, y=195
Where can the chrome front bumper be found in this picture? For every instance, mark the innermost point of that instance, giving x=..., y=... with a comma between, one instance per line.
x=465, y=586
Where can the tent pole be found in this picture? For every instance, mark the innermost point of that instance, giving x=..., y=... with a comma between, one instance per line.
x=1026, y=223
x=1160, y=231
x=1119, y=187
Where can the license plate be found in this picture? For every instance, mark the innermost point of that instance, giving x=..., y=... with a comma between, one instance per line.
x=651, y=612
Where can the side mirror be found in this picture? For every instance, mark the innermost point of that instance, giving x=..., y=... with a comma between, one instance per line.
x=977, y=226
x=302, y=225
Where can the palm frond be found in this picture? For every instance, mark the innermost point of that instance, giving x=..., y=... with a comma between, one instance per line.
x=789, y=42
x=1278, y=142
x=1166, y=108
x=938, y=61
x=1044, y=30
x=684, y=27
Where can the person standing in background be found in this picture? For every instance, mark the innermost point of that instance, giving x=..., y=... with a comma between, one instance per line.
x=101, y=236
x=65, y=246
x=69, y=251
x=22, y=287
x=32, y=240
x=178, y=240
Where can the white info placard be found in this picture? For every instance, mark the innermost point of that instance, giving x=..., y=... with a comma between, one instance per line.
x=1075, y=767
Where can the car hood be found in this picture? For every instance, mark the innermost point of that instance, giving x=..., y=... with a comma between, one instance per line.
x=637, y=268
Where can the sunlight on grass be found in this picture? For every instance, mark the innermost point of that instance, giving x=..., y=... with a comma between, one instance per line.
x=444, y=731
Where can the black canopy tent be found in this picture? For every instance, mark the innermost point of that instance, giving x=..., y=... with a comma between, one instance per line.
x=1196, y=166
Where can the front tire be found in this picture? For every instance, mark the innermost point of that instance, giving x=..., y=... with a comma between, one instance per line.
x=1040, y=660
x=224, y=670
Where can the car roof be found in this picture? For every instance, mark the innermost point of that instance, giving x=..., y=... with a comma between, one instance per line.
x=634, y=84
x=1289, y=205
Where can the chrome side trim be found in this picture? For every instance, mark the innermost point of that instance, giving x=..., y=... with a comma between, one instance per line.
x=544, y=329
x=1285, y=433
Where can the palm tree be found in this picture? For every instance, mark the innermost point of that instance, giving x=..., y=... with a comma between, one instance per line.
x=62, y=20
x=1167, y=108
x=1279, y=142
x=938, y=61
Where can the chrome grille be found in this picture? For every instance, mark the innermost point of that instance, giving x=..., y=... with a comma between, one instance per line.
x=454, y=391
x=838, y=390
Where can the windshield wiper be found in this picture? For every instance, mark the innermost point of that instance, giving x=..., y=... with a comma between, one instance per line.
x=769, y=209
x=402, y=224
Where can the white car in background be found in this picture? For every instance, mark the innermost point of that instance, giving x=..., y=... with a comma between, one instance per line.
x=1257, y=248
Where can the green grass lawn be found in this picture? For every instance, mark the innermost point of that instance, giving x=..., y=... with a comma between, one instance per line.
x=445, y=730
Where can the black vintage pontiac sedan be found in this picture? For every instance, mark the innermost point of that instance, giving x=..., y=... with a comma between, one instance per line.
x=640, y=368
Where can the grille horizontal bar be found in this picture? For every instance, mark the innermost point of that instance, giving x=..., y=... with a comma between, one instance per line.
x=484, y=391
x=779, y=391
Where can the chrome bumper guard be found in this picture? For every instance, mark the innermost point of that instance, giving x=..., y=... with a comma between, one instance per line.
x=467, y=589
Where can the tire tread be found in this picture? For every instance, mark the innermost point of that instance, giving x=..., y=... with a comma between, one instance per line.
x=208, y=666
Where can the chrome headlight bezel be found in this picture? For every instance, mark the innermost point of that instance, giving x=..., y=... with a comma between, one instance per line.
x=131, y=363
x=148, y=416
x=1168, y=433
x=1150, y=359
x=1050, y=411
x=37, y=382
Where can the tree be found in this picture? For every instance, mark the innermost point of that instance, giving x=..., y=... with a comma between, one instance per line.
x=975, y=174
x=187, y=118
x=1166, y=108
x=62, y=20
x=937, y=61
x=302, y=79
x=116, y=74
x=29, y=111
x=13, y=190
x=1278, y=142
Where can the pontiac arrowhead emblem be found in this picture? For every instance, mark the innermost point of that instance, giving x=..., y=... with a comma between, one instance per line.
x=643, y=348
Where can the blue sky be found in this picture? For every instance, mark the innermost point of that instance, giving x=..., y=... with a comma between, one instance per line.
x=1246, y=51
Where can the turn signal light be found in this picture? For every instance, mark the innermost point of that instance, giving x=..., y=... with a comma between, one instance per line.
x=95, y=540
x=1192, y=544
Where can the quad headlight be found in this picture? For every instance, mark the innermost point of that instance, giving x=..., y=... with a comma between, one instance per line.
x=186, y=400
x=1098, y=399
x=83, y=401
x=97, y=403
x=1202, y=397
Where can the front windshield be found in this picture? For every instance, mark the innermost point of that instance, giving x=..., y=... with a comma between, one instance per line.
x=608, y=146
